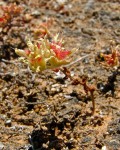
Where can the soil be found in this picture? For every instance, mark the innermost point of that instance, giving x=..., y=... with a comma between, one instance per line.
x=42, y=111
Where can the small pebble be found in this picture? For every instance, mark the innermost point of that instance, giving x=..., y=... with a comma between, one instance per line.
x=104, y=148
x=8, y=123
x=55, y=85
x=36, y=13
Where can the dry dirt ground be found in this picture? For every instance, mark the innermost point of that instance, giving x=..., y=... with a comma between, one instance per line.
x=41, y=111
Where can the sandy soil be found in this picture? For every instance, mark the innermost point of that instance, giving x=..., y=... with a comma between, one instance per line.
x=39, y=111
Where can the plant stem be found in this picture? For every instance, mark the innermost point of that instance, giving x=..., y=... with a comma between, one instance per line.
x=93, y=102
x=77, y=60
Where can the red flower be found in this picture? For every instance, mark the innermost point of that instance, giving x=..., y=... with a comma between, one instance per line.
x=60, y=54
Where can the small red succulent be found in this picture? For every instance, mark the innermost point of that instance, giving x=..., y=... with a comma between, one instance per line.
x=112, y=59
x=9, y=12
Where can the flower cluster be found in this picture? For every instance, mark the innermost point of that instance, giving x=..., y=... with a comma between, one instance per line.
x=45, y=54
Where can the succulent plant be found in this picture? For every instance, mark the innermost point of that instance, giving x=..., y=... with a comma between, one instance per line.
x=45, y=54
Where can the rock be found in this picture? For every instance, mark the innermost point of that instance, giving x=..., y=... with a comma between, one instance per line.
x=27, y=18
x=104, y=148
x=8, y=122
x=36, y=13
x=55, y=85
x=1, y=146
x=86, y=140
